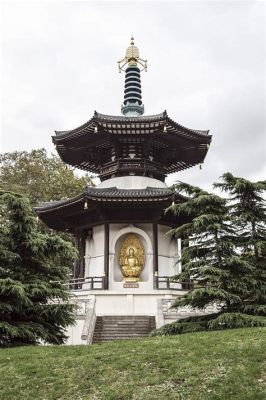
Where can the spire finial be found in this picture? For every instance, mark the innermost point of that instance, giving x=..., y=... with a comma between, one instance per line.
x=132, y=57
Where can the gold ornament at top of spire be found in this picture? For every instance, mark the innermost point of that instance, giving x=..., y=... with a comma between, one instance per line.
x=132, y=57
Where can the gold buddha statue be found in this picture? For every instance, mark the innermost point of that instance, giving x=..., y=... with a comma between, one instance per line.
x=131, y=258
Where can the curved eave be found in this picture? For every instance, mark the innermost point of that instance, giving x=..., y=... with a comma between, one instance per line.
x=102, y=121
x=113, y=195
x=59, y=135
x=89, y=146
x=98, y=119
x=195, y=133
x=94, y=206
x=58, y=205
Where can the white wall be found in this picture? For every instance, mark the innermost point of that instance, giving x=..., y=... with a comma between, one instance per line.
x=132, y=182
x=168, y=252
x=128, y=303
x=74, y=333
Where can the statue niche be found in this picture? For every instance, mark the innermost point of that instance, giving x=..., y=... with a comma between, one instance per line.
x=131, y=258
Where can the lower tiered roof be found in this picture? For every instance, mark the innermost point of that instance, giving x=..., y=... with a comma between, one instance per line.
x=99, y=205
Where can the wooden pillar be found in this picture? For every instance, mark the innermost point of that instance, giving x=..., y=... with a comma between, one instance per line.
x=82, y=251
x=155, y=254
x=106, y=255
x=80, y=245
x=77, y=260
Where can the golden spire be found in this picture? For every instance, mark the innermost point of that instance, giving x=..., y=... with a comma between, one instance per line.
x=132, y=57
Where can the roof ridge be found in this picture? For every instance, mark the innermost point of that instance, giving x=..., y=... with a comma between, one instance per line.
x=118, y=118
x=128, y=189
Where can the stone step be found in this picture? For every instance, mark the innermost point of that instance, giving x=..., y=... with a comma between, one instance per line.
x=112, y=339
x=126, y=326
x=117, y=335
x=129, y=326
x=113, y=334
x=120, y=338
x=124, y=332
x=126, y=316
x=122, y=327
x=125, y=321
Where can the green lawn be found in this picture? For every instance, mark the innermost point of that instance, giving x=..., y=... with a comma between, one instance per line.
x=214, y=365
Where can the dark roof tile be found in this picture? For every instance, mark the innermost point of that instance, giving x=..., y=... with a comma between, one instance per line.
x=111, y=194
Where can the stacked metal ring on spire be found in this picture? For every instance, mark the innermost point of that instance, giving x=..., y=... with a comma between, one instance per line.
x=132, y=92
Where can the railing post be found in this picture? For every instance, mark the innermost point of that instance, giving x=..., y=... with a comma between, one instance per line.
x=77, y=260
x=82, y=252
x=187, y=285
x=156, y=281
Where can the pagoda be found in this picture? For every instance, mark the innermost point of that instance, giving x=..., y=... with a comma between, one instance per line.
x=126, y=258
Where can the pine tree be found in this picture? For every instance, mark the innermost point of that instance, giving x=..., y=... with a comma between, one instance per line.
x=247, y=210
x=34, y=302
x=209, y=258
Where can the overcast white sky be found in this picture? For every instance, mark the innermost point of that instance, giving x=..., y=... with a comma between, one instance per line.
x=206, y=67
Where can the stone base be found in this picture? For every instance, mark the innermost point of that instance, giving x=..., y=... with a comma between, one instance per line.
x=130, y=279
x=130, y=302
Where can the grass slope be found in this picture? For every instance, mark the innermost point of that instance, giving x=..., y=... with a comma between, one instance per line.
x=211, y=365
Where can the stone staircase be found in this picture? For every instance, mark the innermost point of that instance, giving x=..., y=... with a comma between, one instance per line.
x=122, y=327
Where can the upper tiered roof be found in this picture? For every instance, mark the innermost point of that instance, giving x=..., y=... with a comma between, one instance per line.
x=152, y=146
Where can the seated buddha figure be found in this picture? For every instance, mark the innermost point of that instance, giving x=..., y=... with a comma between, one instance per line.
x=131, y=265
x=131, y=260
